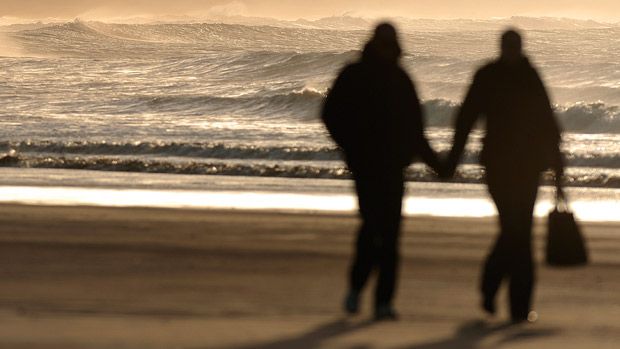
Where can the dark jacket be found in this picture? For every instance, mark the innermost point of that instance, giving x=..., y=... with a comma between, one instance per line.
x=521, y=130
x=373, y=113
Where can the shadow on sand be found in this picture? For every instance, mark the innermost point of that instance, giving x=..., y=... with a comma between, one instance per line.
x=315, y=338
x=468, y=336
x=471, y=334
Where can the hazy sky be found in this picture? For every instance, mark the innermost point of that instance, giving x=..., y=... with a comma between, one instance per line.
x=292, y=9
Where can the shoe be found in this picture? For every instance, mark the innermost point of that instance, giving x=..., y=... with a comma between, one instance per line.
x=385, y=313
x=351, y=303
x=531, y=317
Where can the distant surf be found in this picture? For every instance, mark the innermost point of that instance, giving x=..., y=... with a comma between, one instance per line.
x=243, y=98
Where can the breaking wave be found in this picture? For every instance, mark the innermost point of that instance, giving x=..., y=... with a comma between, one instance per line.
x=223, y=151
x=79, y=38
x=336, y=170
x=249, y=160
x=300, y=104
x=193, y=150
x=579, y=117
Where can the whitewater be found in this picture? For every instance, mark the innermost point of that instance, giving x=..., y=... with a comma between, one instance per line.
x=215, y=100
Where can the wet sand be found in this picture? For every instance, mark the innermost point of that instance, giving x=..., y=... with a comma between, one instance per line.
x=78, y=277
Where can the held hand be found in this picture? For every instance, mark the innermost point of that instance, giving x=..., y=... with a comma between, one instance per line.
x=446, y=169
x=559, y=176
x=559, y=185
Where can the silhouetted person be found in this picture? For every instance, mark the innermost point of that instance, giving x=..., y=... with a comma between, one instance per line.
x=374, y=115
x=522, y=140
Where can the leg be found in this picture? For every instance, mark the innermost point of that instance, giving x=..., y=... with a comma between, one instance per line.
x=495, y=267
x=388, y=271
x=360, y=269
x=511, y=256
x=365, y=256
x=521, y=270
x=493, y=273
x=365, y=251
x=363, y=261
x=390, y=231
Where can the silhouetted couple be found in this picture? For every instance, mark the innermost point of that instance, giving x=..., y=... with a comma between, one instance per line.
x=374, y=115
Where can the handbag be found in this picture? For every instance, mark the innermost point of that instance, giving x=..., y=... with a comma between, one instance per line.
x=566, y=246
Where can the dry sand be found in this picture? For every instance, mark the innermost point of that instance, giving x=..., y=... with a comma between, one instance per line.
x=154, y=278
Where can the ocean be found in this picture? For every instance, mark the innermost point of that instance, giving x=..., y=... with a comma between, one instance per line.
x=234, y=107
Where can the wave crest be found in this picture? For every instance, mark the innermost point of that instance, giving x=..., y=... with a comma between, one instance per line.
x=418, y=173
x=243, y=152
x=580, y=117
x=174, y=149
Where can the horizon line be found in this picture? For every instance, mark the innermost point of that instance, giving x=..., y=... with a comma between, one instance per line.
x=162, y=18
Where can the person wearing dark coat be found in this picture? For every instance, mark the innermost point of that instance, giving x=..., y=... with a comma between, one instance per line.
x=522, y=140
x=374, y=115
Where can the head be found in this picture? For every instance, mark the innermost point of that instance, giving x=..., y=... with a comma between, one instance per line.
x=511, y=46
x=384, y=43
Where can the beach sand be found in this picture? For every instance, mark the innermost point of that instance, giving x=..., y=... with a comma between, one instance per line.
x=80, y=277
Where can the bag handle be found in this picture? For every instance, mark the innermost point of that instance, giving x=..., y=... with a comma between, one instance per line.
x=561, y=202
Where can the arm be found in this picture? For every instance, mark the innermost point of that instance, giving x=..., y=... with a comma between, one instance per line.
x=465, y=120
x=427, y=154
x=425, y=151
x=552, y=134
x=337, y=109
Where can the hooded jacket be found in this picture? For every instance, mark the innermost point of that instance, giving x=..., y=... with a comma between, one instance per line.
x=373, y=113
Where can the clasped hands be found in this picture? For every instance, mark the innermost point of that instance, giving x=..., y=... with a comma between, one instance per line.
x=446, y=167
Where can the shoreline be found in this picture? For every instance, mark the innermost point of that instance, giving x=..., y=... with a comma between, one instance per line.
x=149, y=211
x=96, y=277
x=100, y=188
x=469, y=201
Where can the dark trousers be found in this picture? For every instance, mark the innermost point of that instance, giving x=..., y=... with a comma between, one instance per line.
x=380, y=201
x=514, y=194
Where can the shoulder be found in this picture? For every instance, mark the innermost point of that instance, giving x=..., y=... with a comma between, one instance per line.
x=531, y=68
x=352, y=69
x=403, y=77
x=350, y=73
x=487, y=70
x=402, y=73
